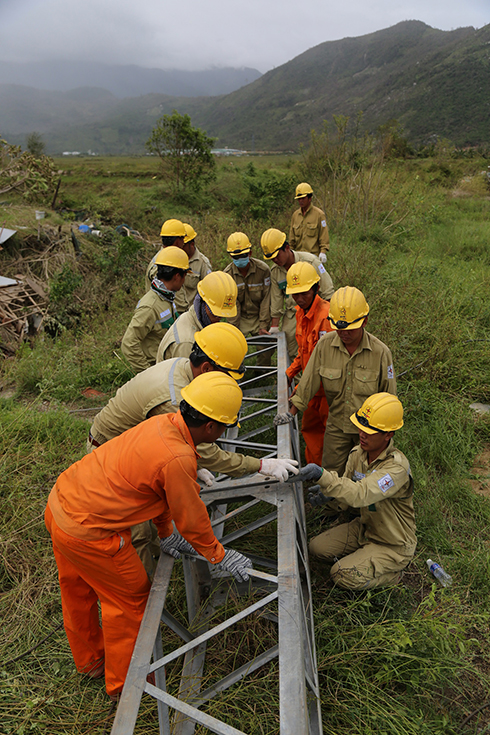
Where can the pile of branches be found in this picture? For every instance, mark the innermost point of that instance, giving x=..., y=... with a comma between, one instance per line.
x=21, y=171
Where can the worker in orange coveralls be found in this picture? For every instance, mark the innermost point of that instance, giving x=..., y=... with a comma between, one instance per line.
x=311, y=324
x=149, y=471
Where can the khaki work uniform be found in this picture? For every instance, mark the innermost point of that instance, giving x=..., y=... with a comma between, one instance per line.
x=371, y=550
x=347, y=381
x=158, y=389
x=153, y=315
x=181, y=302
x=309, y=232
x=284, y=306
x=146, y=472
x=179, y=339
x=200, y=267
x=253, y=301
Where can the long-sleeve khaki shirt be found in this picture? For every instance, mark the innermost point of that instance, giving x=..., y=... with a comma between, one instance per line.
x=153, y=315
x=309, y=232
x=181, y=301
x=179, y=339
x=159, y=389
x=383, y=490
x=200, y=266
x=280, y=301
x=347, y=380
x=254, y=295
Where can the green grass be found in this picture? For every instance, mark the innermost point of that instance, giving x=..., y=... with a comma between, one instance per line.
x=413, y=659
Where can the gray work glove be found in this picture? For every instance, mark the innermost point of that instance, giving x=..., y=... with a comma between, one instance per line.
x=323, y=258
x=283, y=418
x=316, y=498
x=310, y=472
x=205, y=476
x=236, y=564
x=278, y=468
x=274, y=330
x=175, y=545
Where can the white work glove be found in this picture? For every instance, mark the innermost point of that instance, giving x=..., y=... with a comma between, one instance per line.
x=278, y=468
x=274, y=330
x=323, y=258
x=175, y=544
x=310, y=472
x=316, y=498
x=236, y=564
x=283, y=418
x=205, y=476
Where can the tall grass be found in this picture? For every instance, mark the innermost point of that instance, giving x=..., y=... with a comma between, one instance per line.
x=413, y=659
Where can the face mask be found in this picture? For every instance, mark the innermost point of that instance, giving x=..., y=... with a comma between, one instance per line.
x=242, y=262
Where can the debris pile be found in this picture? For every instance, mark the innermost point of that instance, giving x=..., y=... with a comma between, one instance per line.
x=23, y=304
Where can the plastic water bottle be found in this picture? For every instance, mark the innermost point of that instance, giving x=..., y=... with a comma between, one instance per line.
x=444, y=578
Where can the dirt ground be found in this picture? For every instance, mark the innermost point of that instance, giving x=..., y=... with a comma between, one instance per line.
x=481, y=472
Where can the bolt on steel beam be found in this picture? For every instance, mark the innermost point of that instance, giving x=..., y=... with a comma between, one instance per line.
x=217, y=606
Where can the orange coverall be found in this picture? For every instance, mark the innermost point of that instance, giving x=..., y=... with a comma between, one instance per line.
x=310, y=326
x=148, y=472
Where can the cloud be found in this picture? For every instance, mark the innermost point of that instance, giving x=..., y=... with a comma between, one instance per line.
x=192, y=34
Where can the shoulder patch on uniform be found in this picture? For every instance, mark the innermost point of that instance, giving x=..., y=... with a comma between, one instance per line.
x=321, y=269
x=391, y=372
x=324, y=222
x=356, y=476
x=321, y=334
x=267, y=281
x=385, y=483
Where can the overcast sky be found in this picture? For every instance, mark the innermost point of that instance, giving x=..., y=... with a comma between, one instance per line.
x=197, y=34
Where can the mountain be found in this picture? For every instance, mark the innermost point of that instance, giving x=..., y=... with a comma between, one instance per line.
x=125, y=81
x=436, y=83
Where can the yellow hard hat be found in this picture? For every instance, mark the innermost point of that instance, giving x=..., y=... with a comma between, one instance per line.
x=379, y=412
x=348, y=307
x=238, y=243
x=271, y=241
x=301, y=277
x=190, y=233
x=172, y=228
x=220, y=292
x=225, y=346
x=216, y=395
x=173, y=257
x=303, y=190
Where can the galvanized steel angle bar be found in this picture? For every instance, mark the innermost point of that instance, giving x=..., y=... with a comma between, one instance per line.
x=213, y=631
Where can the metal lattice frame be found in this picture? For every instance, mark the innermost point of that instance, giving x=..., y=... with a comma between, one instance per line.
x=286, y=583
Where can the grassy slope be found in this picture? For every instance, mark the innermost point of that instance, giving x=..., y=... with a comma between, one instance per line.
x=409, y=660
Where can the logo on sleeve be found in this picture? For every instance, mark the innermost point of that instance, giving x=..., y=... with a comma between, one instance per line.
x=321, y=269
x=324, y=223
x=356, y=476
x=267, y=282
x=391, y=372
x=385, y=483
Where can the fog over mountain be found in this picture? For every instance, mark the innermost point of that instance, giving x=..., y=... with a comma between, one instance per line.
x=125, y=81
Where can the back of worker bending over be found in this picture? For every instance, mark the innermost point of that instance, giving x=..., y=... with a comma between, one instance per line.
x=149, y=471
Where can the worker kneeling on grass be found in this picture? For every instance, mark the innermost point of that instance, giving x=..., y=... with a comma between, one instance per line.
x=149, y=471
x=373, y=549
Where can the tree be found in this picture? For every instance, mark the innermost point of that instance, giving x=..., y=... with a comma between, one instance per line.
x=185, y=151
x=35, y=144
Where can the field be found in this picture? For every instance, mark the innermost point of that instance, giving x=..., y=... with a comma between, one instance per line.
x=414, y=236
